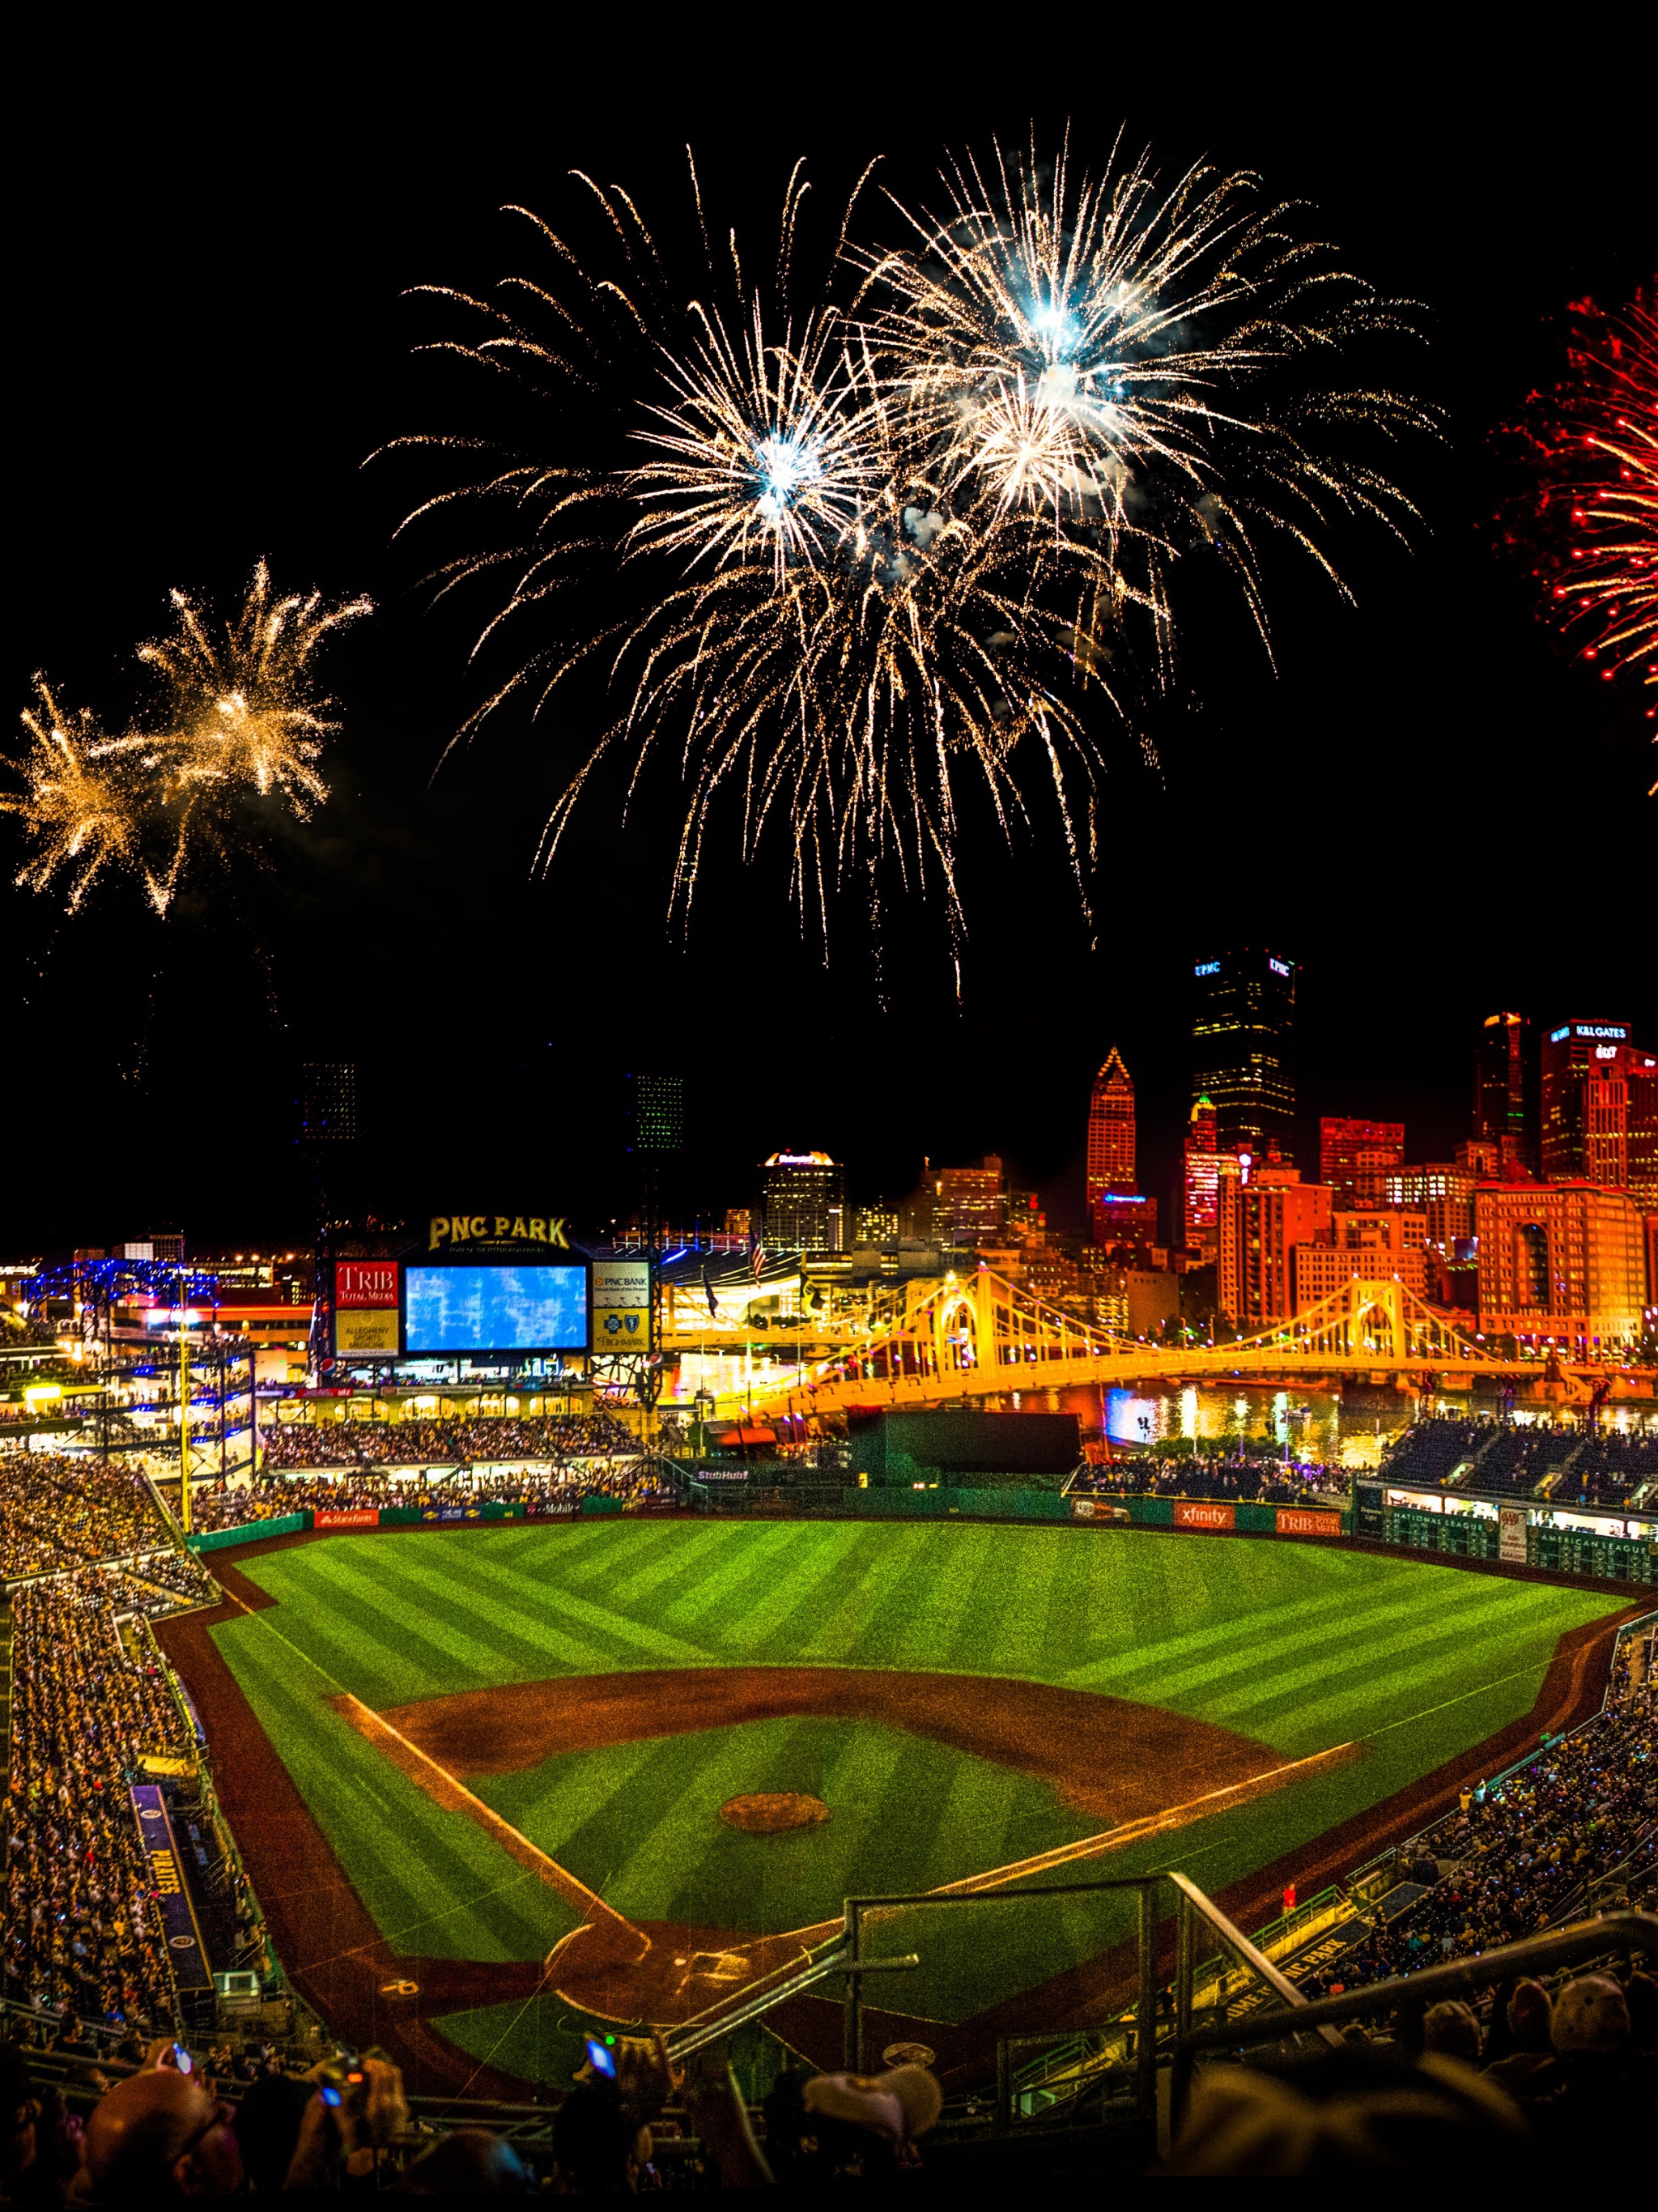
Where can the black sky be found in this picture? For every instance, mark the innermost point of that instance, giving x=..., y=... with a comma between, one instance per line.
x=1425, y=806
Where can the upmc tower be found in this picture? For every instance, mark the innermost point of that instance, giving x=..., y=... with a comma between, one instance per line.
x=1241, y=1049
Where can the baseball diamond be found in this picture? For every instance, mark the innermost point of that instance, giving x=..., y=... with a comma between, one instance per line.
x=505, y=1758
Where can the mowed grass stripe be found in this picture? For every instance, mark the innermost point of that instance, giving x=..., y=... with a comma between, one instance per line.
x=785, y=1583
x=430, y=1879
x=1297, y=1653
x=436, y=1638
x=544, y=1611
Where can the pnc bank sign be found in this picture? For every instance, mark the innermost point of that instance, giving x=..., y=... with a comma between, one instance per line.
x=452, y=1229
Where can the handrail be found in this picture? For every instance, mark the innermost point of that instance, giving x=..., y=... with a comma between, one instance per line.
x=1565, y=1947
x=756, y=2006
x=1194, y=1900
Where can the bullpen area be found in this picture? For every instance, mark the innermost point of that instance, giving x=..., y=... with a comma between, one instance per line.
x=493, y=1783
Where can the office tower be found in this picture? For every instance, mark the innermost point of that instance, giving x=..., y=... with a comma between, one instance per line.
x=1354, y=1156
x=970, y=1205
x=1202, y=1178
x=656, y=1114
x=327, y=1102
x=875, y=1224
x=1560, y=1263
x=805, y=1202
x=1505, y=1089
x=1574, y=1055
x=1242, y=1042
x=1111, y=1131
x=1375, y=1241
x=1261, y=1223
x=1442, y=1192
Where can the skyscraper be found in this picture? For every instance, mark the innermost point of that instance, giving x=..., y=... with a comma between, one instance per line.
x=1203, y=1167
x=1576, y=1055
x=1241, y=1037
x=656, y=1113
x=1355, y=1155
x=805, y=1202
x=1505, y=1089
x=1111, y=1131
x=327, y=1102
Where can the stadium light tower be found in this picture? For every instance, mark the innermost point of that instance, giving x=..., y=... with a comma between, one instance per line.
x=184, y=1403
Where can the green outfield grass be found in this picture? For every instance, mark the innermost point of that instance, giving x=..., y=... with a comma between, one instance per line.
x=1299, y=1647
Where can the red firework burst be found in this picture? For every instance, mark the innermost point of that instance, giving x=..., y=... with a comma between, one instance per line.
x=1589, y=524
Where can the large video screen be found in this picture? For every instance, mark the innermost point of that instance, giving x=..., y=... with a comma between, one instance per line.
x=495, y=1309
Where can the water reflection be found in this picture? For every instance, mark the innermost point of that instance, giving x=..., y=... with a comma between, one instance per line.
x=1312, y=1427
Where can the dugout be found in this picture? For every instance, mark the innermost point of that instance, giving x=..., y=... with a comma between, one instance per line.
x=963, y=1449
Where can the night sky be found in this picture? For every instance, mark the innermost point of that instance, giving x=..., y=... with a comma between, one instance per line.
x=1425, y=806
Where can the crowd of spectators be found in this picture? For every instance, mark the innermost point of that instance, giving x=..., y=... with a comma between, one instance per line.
x=1227, y=1476
x=490, y=1438
x=235, y=1506
x=58, y=1512
x=81, y=1937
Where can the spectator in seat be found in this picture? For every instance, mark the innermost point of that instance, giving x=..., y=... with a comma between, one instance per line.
x=1601, y=2089
x=470, y=2162
x=1453, y=2031
x=157, y=2136
x=1528, y=2050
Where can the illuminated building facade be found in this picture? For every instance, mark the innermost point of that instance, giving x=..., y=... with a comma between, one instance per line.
x=328, y=1102
x=1505, y=1109
x=804, y=1195
x=1442, y=1193
x=1354, y=1156
x=1375, y=1241
x=1242, y=1036
x=656, y=1114
x=1560, y=1264
x=1261, y=1223
x=1111, y=1131
x=1202, y=1179
x=970, y=1205
x=1573, y=1052
x=875, y=1224
x=1123, y=1218
x=1602, y=1111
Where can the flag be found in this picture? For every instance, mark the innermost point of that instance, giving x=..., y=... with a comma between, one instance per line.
x=757, y=1261
x=707, y=1285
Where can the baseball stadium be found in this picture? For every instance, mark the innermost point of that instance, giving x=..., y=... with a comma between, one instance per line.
x=492, y=1747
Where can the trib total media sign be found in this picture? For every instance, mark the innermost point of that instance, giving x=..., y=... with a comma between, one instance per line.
x=365, y=1306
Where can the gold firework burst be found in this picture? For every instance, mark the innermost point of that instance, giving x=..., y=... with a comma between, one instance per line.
x=79, y=806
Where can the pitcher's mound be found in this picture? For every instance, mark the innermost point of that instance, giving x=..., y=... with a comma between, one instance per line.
x=769, y=1811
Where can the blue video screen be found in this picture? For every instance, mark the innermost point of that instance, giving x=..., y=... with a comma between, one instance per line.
x=495, y=1309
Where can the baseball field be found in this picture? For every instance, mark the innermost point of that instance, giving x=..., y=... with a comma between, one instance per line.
x=527, y=1740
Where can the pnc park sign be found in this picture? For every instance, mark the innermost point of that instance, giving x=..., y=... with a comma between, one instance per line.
x=449, y=1230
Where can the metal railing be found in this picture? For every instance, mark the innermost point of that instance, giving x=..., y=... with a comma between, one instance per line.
x=1462, y=1977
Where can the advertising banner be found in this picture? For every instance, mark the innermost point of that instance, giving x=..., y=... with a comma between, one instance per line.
x=366, y=1331
x=1511, y=1533
x=182, y=1936
x=347, y=1517
x=1297, y=1521
x=365, y=1306
x=1203, y=1513
x=621, y=1305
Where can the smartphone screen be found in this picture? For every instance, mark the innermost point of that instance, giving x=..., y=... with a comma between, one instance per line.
x=181, y=2059
x=601, y=2060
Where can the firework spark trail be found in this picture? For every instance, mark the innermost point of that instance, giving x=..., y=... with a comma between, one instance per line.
x=238, y=714
x=882, y=551
x=1591, y=523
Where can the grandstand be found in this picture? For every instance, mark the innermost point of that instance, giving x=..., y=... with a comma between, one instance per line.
x=1523, y=1855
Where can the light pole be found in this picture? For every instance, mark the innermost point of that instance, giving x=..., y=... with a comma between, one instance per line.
x=184, y=1407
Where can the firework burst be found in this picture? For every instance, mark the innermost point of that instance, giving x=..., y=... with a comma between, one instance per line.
x=1590, y=527
x=80, y=807
x=1162, y=371
x=887, y=550
x=239, y=713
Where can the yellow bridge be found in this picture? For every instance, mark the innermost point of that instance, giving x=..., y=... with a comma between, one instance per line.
x=981, y=1336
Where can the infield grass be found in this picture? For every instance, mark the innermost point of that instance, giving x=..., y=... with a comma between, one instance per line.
x=1300, y=1648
